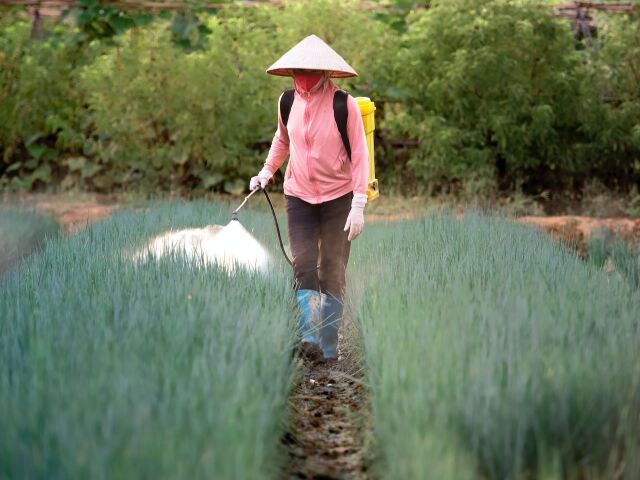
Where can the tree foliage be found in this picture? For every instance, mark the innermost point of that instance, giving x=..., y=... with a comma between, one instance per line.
x=41, y=111
x=161, y=118
x=491, y=88
x=612, y=86
x=497, y=94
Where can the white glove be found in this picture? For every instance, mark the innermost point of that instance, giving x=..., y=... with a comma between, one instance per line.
x=261, y=180
x=355, y=220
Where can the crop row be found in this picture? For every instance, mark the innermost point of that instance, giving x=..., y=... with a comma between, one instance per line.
x=493, y=353
x=112, y=369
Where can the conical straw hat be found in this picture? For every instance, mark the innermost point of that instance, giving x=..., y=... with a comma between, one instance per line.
x=312, y=54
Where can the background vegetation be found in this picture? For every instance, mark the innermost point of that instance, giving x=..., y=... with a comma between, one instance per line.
x=488, y=96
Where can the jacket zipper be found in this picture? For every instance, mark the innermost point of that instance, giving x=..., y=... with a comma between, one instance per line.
x=307, y=125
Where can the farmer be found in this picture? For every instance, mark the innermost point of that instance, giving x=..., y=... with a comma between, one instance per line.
x=325, y=187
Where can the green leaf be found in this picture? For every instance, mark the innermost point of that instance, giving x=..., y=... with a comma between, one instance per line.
x=13, y=167
x=67, y=182
x=235, y=187
x=121, y=24
x=76, y=163
x=211, y=180
x=36, y=150
x=635, y=135
x=21, y=183
x=102, y=181
x=33, y=138
x=43, y=173
x=86, y=17
x=66, y=12
x=89, y=170
x=143, y=19
x=178, y=25
x=181, y=159
x=31, y=164
x=51, y=154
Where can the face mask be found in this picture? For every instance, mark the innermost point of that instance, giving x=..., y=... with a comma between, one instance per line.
x=305, y=81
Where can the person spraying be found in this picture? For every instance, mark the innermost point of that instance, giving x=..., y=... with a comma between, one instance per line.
x=325, y=185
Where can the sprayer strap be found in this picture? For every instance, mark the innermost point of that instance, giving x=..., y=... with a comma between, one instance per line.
x=286, y=102
x=340, y=113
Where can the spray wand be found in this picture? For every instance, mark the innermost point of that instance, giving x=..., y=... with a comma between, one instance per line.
x=234, y=216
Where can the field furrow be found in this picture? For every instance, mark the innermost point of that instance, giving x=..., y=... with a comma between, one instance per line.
x=329, y=427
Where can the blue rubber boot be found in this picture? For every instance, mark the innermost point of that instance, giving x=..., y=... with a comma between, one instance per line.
x=309, y=305
x=331, y=317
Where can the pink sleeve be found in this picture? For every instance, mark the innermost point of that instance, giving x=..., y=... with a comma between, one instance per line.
x=359, y=150
x=279, y=146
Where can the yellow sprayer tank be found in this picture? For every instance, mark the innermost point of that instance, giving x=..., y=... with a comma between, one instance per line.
x=367, y=110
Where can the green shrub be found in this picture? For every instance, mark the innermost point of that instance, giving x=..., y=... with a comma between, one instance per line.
x=613, y=90
x=497, y=94
x=41, y=111
x=489, y=88
x=162, y=118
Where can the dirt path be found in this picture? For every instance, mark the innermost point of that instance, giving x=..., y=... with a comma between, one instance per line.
x=329, y=420
x=579, y=231
x=73, y=212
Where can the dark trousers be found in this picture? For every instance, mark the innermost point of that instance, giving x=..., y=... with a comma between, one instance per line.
x=319, y=244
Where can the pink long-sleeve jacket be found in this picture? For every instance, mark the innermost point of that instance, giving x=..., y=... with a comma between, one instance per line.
x=319, y=169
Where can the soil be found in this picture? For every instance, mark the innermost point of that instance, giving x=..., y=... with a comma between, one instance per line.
x=72, y=212
x=577, y=231
x=328, y=411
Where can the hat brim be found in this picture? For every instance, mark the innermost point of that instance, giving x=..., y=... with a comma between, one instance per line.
x=288, y=72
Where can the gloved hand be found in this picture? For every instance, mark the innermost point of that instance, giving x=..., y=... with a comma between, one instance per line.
x=261, y=180
x=355, y=220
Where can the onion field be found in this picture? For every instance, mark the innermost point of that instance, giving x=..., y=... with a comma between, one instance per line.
x=489, y=352
x=23, y=231
x=494, y=353
x=112, y=369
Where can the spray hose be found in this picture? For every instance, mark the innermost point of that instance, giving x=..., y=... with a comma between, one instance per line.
x=275, y=221
x=234, y=216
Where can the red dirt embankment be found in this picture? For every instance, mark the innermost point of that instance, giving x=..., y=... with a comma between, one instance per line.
x=577, y=231
x=72, y=212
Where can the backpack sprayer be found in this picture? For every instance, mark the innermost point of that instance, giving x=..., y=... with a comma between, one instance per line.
x=367, y=110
